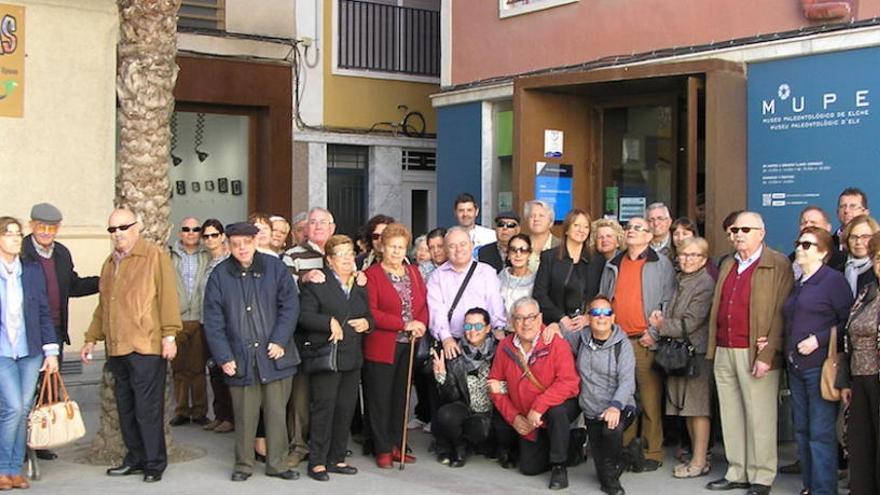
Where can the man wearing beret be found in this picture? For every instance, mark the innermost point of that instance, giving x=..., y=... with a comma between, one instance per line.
x=62, y=281
x=250, y=312
x=495, y=254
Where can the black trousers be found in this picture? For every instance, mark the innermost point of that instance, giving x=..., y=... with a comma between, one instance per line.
x=139, y=390
x=551, y=445
x=607, y=448
x=456, y=425
x=334, y=398
x=863, y=435
x=385, y=387
x=222, y=400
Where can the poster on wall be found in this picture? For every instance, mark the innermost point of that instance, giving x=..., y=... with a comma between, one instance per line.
x=553, y=143
x=811, y=137
x=633, y=206
x=553, y=184
x=11, y=60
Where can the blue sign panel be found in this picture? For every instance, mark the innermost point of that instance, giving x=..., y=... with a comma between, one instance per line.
x=813, y=131
x=553, y=185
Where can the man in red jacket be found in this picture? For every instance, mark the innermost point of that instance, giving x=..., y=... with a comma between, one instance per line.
x=534, y=387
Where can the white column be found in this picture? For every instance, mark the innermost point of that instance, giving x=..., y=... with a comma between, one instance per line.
x=384, y=182
x=318, y=174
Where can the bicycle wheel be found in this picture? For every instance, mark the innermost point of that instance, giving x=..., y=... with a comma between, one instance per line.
x=414, y=124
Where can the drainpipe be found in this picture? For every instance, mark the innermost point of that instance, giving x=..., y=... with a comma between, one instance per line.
x=825, y=10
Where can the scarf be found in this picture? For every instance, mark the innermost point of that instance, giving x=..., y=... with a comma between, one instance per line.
x=473, y=357
x=854, y=268
x=13, y=307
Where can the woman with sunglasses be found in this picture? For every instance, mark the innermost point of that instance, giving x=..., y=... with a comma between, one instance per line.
x=517, y=279
x=819, y=301
x=688, y=312
x=371, y=236
x=607, y=367
x=463, y=419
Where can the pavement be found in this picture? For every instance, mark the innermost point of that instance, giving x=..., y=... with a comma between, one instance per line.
x=210, y=473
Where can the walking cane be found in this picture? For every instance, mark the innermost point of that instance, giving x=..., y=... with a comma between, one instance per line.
x=412, y=353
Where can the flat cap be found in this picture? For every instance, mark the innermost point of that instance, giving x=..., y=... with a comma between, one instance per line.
x=45, y=213
x=507, y=214
x=241, y=228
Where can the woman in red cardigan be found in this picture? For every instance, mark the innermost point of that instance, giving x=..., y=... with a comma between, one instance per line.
x=398, y=302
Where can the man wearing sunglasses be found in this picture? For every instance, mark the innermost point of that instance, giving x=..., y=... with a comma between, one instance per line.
x=190, y=261
x=745, y=342
x=138, y=318
x=495, y=254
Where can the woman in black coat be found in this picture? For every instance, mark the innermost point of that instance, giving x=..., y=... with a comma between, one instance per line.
x=568, y=276
x=334, y=312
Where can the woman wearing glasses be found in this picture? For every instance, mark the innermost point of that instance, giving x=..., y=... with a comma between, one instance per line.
x=819, y=302
x=858, y=262
x=688, y=314
x=371, y=237
x=516, y=279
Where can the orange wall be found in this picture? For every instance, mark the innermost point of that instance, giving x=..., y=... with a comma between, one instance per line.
x=485, y=46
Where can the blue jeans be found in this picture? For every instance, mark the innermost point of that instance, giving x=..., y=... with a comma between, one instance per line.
x=18, y=379
x=815, y=421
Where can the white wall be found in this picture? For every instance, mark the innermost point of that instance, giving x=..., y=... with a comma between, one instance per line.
x=266, y=17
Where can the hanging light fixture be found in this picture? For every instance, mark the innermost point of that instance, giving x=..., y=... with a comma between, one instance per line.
x=200, y=135
x=176, y=160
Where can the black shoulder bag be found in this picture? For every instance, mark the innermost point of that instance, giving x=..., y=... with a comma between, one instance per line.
x=676, y=357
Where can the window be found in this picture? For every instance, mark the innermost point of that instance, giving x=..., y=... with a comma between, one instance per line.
x=508, y=8
x=202, y=14
x=419, y=160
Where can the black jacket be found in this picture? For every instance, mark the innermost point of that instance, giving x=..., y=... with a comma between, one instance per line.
x=319, y=303
x=489, y=254
x=561, y=287
x=70, y=284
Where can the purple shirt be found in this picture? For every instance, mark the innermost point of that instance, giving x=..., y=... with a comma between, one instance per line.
x=483, y=291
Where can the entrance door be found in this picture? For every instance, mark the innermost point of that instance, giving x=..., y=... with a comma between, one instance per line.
x=419, y=191
x=347, y=187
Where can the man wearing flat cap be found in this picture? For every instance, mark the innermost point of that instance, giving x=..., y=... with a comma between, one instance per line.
x=495, y=254
x=250, y=311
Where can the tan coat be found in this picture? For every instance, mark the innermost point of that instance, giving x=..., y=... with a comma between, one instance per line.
x=138, y=304
x=772, y=281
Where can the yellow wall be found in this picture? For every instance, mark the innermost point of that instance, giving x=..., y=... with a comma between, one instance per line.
x=359, y=102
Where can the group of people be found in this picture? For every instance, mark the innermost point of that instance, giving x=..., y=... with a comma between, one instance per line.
x=520, y=345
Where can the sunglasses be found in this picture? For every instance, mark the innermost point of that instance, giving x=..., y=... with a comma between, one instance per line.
x=44, y=228
x=520, y=250
x=596, y=312
x=474, y=327
x=211, y=236
x=805, y=245
x=375, y=236
x=123, y=228
x=506, y=225
x=636, y=227
x=191, y=229
x=745, y=230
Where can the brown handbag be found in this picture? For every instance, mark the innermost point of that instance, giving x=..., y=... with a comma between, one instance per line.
x=829, y=370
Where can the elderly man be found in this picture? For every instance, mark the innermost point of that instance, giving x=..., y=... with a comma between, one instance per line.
x=745, y=341
x=298, y=228
x=280, y=231
x=851, y=203
x=659, y=220
x=251, y=309
x=467, y=212
x=138, y=317
x=534, y=387
x=638, y=281
x=539, y=218
x=495, y=254
x=190, y=261
x=478, y=286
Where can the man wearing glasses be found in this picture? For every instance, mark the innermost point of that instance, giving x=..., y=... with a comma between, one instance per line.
x=495, y=254
x=190, y=261
x=138, y=318
x=639, y=281
x=659, y=220
x=851, y=203
x=534, y=387
x=745, y=339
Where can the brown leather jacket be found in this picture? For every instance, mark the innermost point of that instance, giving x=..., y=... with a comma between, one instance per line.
x=138, y=304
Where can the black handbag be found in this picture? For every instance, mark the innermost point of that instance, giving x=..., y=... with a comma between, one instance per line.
x=676, y=357
x=318, y=359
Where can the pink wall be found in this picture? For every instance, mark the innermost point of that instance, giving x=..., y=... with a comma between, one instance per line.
x=485, y=46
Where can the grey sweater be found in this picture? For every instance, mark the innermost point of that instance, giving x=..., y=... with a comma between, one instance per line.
x=608, y=375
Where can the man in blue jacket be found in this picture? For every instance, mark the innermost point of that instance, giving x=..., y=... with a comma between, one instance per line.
x=250, y=311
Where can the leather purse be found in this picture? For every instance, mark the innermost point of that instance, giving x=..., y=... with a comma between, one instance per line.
x=56, y=420
x=676, y=357
x=829, y=370
x=318, y=359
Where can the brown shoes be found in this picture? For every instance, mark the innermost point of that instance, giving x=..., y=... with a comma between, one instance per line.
x=19, y=481
x=5, y=482
x=224, y=427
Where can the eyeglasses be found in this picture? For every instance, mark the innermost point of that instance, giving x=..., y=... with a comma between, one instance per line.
x=375, y=236
x=597, y=312
x=474, y=327
x=45, y=228
x=519, y=250
x=506, y=225
x=805, y=245
x=861, y=238
x=322, y=223
x=527, y=319
x=123, y=228
x=690, y=256
x=635, y=227
x=745, y=230
x=850, y=207
x=344, y=254
x=12, y=234
x=212, y=235
x=187, y=230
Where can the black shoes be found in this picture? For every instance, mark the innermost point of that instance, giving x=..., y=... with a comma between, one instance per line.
x=757, y=489
x=333, y=468
x=46, y=455
x=456, y=461
x=240, y=476
x=179, y=420
x=124, y=470
x=506, y=461
x=318, y=475
x=724, y=484
x=793, y=468
x=558, y=477
x=201, y=420
x=152, y=477
x=650, y=465
x=259, y=457
x=613, y=490
x=288, y=475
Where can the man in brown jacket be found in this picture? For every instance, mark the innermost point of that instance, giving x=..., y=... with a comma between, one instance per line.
x=745, y=341
x=138, y=317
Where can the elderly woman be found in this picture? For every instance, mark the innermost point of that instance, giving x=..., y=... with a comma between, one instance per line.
x=334, y=313
x=568, y=276
x=539, y=217
x=435, y=240
x=818, y=302
x=399, y=305
x=28, y=345
x=858, y=377
x=606, y=237
x=517, y=280
x=858, y=262
x=688, y=312
x=264, y=237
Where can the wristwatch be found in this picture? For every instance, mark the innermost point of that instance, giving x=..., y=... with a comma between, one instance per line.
x=170, y=339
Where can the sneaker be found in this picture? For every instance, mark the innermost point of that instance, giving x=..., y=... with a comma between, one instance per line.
x=415, y=424
x=426, y=428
